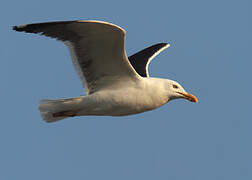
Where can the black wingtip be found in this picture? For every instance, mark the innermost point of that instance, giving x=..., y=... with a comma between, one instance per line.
x=17, y=28
x=21, y=28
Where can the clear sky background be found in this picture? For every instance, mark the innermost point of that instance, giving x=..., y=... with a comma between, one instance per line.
x=210, y=55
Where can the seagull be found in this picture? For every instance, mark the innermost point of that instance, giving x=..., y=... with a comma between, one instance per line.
x=116, y=85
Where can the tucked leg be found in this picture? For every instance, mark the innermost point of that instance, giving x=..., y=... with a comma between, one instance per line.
x=65, y=114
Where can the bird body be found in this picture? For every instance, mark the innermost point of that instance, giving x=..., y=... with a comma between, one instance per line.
x=116, y=85
x=115, y=101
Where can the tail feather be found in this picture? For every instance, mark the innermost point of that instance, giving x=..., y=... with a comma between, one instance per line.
x=48, y=108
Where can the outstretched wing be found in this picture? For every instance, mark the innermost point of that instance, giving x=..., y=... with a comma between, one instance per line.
x=97, y=49
x=140, y=61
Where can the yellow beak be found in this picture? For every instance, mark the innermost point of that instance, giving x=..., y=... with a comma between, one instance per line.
x=189, y=97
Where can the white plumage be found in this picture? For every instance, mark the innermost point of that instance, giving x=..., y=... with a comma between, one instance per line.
x=116, y=85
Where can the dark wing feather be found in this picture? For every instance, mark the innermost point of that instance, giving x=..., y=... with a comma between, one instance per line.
x=141, y=59
x=56, y=30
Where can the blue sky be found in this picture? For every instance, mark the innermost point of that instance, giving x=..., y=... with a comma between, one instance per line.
x=210, y=55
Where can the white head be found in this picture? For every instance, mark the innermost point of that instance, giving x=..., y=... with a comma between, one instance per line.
x=175, y=91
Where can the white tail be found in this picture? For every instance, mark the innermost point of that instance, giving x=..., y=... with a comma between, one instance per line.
x=48, y=108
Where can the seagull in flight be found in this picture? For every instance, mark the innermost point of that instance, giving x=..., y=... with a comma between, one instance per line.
x=116, y=85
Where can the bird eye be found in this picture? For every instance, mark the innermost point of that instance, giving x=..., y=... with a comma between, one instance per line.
x=175, y=86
